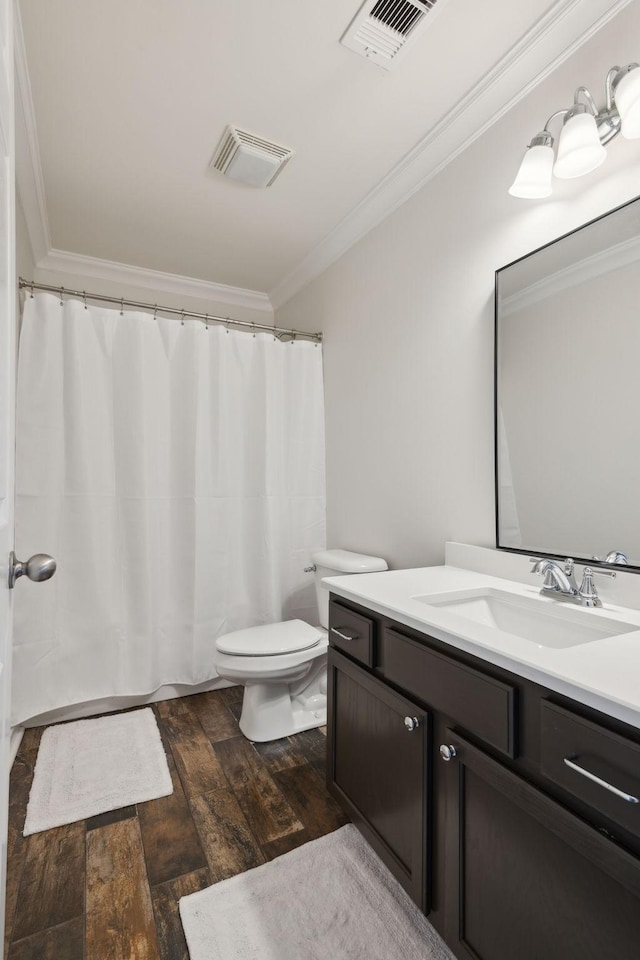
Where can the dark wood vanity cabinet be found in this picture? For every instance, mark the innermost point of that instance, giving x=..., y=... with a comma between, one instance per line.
x=378, y=769
x=526, y=878
x=521, y=856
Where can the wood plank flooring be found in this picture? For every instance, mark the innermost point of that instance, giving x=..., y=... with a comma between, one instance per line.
x=108, y=888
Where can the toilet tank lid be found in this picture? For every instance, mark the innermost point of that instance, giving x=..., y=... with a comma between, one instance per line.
x=344, y=561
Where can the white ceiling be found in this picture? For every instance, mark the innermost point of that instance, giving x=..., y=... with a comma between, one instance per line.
x=130, y=98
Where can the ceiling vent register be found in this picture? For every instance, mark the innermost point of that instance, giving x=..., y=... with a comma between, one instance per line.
x=244, y=156
x=382, y=29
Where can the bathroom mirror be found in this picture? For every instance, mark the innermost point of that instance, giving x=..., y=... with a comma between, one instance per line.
x=567, y=404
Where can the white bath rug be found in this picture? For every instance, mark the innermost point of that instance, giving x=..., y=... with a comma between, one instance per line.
x=91, y=766
x=330, y=899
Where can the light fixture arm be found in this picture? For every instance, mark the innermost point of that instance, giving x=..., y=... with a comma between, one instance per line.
x=608, y=85
x=586, y=93
x=558, y=113
x=545, y=138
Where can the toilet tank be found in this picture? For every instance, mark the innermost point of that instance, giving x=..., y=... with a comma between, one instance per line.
x=339, y=563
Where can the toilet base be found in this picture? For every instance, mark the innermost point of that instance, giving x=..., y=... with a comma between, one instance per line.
x=273, y=710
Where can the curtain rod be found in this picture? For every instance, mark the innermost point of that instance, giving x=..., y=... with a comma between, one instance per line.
x=282, y=333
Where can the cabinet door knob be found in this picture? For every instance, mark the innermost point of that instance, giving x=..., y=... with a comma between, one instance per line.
x=411, y=723
x=447, y=752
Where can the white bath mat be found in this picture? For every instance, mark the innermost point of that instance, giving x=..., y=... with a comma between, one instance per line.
x=330, y=899
x=91, y=766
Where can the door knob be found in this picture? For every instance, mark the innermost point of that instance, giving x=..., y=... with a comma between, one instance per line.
x=38, y=567
x=448, y=752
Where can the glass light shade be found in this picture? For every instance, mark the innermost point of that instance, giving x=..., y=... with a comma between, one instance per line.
x=579, y=148
x=533, y=180
x=627, y=97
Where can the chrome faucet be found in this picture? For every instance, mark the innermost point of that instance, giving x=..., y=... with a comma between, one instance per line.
x=556, y=580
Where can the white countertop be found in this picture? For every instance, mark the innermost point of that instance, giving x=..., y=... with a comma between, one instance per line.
x=603, y=674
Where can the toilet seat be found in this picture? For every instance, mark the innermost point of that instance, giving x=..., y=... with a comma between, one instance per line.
x=271, y=639
x=248, y=670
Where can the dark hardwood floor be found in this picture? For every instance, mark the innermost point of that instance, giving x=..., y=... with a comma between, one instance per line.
x=107, y=888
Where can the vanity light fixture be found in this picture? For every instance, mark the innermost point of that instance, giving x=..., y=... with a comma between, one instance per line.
x=584, y=132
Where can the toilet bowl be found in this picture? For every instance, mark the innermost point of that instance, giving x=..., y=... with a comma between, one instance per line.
x=283, y=666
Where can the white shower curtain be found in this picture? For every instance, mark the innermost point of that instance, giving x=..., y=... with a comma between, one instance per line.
x=176, y=473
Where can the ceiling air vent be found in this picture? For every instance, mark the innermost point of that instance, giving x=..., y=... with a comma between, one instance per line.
x=381, y=29
x=246, y=157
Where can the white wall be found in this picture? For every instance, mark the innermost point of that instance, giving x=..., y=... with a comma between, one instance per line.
x=24, y=255
x=408, y=319
x=24, y=259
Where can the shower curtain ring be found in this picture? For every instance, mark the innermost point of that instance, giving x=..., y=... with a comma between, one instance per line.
x=32, y=289
x=206, y=322
x=226, y=326
x=293, y=338
x=61, y=296
x=253, y=329
x=182, y=319
x=84, y=298
x=122, y=306
x=155, y=312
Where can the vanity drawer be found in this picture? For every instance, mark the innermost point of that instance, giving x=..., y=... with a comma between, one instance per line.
x=351, y=632
x=477, y=703
x=591, y=749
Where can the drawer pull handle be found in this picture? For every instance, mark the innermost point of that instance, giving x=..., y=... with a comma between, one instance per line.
x=344, y=636
x=601, y=783
x=411, y=723
x=448, y=752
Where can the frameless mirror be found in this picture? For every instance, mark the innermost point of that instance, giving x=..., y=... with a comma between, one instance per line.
x=567, y=394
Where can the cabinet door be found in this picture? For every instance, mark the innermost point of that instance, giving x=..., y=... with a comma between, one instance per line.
x=526, y=879
x=377, y=769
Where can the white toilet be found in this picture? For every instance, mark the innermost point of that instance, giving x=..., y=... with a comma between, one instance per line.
x=283, y=666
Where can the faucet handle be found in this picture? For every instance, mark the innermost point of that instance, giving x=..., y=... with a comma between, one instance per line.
x=587, y=591
x=568, y=566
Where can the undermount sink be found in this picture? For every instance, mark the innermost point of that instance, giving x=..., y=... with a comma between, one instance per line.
x=547, y=623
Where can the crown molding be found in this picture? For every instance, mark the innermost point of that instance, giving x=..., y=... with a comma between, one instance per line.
x=612, y=258
x=29, y=179
x=79, y=265
x=552, y=40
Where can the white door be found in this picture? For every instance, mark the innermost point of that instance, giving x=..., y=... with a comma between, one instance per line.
x=7, y=404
